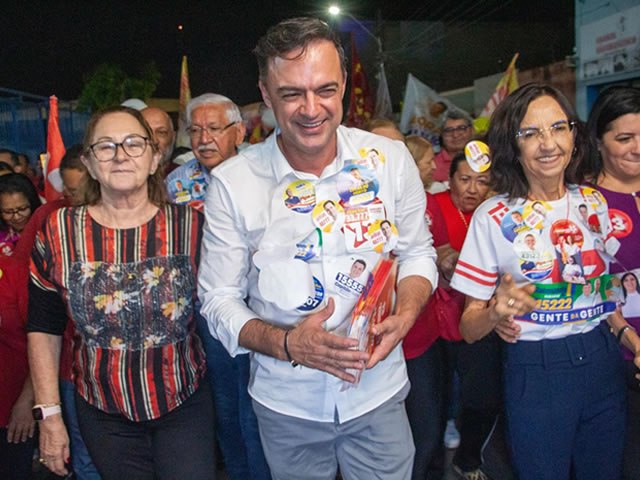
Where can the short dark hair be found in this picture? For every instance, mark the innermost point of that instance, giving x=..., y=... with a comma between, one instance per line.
x=455, y=161
x=506, y=171
x=453, y=114
x=5, y=167
x=294, y=33
x=13, y=155
x=71, y=158
x=19, y=183
x=361, y=262
x=614, y=102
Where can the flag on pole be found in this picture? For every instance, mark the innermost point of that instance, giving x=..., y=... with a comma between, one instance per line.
x=384, y=108
x=185, y=97
x=423, y=111
x=507, y=84
x=360, y=101
x=55, y=152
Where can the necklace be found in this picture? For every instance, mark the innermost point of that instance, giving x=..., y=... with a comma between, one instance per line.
x=464, y=220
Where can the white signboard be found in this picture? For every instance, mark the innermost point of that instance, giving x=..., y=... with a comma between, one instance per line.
x=611, y=45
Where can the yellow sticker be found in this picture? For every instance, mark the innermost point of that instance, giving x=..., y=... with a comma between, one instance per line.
x=477, y=155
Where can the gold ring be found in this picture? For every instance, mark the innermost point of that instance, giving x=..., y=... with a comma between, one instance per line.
x=42, y=461
x=511, y=302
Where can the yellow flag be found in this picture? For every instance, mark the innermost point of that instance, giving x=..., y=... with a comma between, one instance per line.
x=507, y=84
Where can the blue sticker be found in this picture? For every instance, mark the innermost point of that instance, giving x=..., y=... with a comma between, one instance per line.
x=357, y=184
x=313, y=303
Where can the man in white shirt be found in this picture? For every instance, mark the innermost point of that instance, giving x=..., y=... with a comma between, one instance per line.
x=309, y=421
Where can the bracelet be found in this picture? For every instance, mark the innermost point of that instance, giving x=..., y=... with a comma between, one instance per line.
x=286, y=349
x=622, y=330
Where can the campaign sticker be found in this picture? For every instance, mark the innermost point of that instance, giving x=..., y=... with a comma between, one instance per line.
x=310, y=247
x=383, y=236
x=371, y=158
x=477, y=156
x=313, y=302
x=300, y=196
x=513, y=223
x=535, y=214
x=357, y=185
x=567, y=240
x=328, y=216
x=589, y=219
x=350, y=283
x=621, y=223
x=1, y=273
x=594, y=198
x=356, y=224
x=536, y=263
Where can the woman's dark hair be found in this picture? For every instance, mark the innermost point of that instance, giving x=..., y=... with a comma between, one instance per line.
x=90, y=188
x=506, y=171
x=614, y=102
x=624, y=290
x=19, y=183
x=455, y=161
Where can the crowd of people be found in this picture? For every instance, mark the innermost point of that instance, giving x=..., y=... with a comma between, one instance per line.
x=174, y=305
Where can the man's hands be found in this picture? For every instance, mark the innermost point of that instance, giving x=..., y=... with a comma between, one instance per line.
x=312, y=346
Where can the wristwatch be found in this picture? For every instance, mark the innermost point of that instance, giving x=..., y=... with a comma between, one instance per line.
x=42, y=411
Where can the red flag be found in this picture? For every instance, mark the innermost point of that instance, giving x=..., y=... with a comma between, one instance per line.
x=185, y=97
x=360, y=101
x=55, y=152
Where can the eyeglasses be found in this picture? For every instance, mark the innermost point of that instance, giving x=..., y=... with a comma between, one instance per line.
x=458, y=129
x=20, y=211
x=195, y=131
x=534, y=134
x=133, y=145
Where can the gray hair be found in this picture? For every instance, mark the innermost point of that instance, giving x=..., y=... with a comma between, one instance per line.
x=454, y=114
x=233, y=112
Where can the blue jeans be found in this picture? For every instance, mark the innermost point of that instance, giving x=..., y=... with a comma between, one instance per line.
x=565, y=407
x=236, y=423
x=83, y=467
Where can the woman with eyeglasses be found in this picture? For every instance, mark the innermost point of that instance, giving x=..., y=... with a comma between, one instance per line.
x=18, y=200
x=614, y=166
x=563, y=375
x=123, y=266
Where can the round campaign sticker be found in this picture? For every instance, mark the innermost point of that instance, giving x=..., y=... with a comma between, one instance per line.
x=620, y=222
x=383, y=236
x=357, y=184
x=371, y=158
x=513, y=223
x=1, y=273
x=535, y=213
x=535, y=262
x=300, y=196
x=328, y=216
x=477, y=155
x=313, y=302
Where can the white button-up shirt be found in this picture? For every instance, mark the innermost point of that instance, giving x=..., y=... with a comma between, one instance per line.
x=246, y=212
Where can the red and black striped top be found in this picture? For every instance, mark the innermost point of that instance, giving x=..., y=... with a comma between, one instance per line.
x=131, y=294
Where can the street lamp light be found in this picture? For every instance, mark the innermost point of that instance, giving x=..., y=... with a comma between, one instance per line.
x=335, y=10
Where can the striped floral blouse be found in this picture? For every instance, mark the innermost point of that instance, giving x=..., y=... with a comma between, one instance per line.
x=131, y=295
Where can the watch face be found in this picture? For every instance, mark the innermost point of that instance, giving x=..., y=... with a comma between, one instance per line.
x=37, y=413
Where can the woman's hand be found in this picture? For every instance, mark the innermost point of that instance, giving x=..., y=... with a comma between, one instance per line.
x=21, y=423
x=511, y=300
x=54, y=444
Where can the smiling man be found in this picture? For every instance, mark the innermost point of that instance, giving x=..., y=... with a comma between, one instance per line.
x=312, y=417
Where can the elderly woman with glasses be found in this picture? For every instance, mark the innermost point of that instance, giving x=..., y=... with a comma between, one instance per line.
x=563, y=376
x=123, y=266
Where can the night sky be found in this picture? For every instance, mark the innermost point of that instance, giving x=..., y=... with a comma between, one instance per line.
x=48, y=48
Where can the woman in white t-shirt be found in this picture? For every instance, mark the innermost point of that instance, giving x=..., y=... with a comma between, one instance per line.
x=563, y=376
